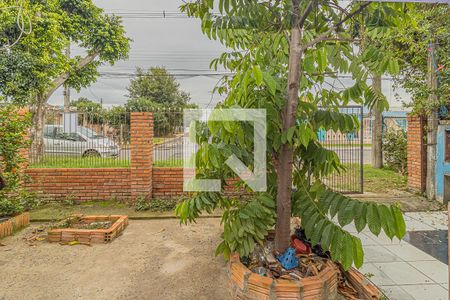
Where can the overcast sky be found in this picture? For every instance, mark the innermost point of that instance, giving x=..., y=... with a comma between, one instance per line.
x=175, y=43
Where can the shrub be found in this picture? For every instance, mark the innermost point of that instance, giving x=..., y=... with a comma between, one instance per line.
x=13, y=127
x=394, y=150
x=143, y=204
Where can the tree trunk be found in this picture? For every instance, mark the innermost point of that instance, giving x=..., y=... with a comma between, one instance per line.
x=377, y=127
x=286, y=155
x=37, y=131
x=432, y=126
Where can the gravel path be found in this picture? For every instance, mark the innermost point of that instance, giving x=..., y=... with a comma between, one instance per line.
x=156, y=259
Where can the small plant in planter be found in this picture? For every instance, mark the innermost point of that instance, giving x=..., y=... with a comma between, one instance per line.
x=280, y=53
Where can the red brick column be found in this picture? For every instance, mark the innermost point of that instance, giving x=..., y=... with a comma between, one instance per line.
x=141, y=154
x=417, y=153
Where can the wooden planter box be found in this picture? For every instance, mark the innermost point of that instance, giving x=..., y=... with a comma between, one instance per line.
x=15, y=223
x=90, y=235
x=248, y=285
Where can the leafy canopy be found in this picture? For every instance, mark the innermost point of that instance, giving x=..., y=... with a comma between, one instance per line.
x=158, y=86
x=37, y=64
x=410, y=43
x=258, y=35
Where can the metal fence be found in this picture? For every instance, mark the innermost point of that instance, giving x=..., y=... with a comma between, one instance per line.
x=350, y=149
x=168, y=134
x=83, y=140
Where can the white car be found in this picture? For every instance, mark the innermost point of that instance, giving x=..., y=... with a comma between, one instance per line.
x=82, y=142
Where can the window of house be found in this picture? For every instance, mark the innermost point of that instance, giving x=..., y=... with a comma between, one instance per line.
x=447, y=145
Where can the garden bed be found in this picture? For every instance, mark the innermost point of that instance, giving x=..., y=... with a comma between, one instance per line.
x=10, y=225
x=88, y=229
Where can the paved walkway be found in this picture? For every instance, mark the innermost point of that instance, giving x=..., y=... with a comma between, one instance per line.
x=404, y=271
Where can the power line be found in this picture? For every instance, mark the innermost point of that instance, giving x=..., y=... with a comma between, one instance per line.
x=143, y=14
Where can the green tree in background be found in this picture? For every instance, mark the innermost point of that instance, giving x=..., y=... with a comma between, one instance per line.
x=90, y=111
x=159, y=86
x=83, y=104
x=37, y=65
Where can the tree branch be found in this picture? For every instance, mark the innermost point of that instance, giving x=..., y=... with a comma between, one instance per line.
x=324, y=35
x=305, y=15
x=59, y=81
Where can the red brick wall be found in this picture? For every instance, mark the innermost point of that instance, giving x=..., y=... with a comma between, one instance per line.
x=81, y=184
x=416, y=148
x=168, y=182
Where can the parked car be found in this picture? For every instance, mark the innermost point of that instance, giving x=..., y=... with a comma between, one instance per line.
x=82, y=142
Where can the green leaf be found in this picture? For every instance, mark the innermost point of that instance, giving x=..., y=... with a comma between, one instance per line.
x=387, y=220
x=358, y=253
x=360, y=211
x=310, y=223
x=290, y=134
x=345, y=215
x=327, y=235
x=308, y=64
x=317, y=233
x=270, y=83
x=399, y=222
x=347, y=251
x=258, y=74
x=336, y=245
x=373, y=219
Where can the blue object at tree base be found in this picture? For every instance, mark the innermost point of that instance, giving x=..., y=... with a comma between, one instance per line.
x=288, y=260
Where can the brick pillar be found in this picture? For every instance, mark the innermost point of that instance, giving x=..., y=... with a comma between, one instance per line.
x=141, y=154
x=417, y=153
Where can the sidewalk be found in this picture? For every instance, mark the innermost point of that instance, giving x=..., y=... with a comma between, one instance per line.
x=400, y=268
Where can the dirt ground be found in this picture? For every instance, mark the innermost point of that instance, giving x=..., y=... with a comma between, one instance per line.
x=154, y=259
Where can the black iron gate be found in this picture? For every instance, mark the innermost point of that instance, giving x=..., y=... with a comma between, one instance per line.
x=350, y=149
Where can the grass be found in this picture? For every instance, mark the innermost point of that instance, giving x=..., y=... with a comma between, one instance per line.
x=382, y=180
x=97, y=162
x=81, y=162
x=169, y=163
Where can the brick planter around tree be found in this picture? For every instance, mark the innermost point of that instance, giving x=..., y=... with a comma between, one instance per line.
x=366, y=289
x=248, y=285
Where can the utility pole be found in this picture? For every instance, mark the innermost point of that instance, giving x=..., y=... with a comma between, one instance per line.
x=432, y=124
x=66, y=88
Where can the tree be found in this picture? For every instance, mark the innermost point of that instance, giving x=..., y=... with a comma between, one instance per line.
x=83, y=104
x=39, y=63
x=422, y=45
x=159, y=86
x=90, y=111
x=280, y=52
x=386, y=62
